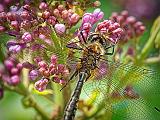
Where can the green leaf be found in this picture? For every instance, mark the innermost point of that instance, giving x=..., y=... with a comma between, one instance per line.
x=157, y=40
x=150, y=43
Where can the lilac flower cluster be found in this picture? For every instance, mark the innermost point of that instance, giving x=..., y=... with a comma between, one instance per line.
x=88, y=20
x=53, y=71
x=132, y=27
x=110, y=29
x=67, y=15
x=31, y=25
x=10, y=72
x=5, y=4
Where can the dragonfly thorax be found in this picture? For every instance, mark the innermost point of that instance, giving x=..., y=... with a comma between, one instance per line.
x=91, y=57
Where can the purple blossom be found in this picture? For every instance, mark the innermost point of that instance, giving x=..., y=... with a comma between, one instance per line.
x=33, y=74
x=98, y=14
x=15, y=47
x=92, y=18
x=88, y=18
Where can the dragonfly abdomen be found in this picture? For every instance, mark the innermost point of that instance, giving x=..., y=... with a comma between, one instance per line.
x=72, y=105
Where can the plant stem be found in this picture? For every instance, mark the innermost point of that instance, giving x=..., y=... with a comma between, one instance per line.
x=38, y=108
x=31, y=100
x=152, y=60
x=10, y=88
x=58, y=99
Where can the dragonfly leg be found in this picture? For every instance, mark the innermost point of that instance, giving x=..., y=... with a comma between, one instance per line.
x=74, y=74
x=74, y=45
x=83, y=37
x=157, y=109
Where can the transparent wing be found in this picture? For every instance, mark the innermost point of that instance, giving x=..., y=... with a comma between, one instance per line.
x=124, y=92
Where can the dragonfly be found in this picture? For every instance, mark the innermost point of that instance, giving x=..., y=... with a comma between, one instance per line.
x=109, y=82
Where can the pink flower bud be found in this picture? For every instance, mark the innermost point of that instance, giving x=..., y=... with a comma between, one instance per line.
x=14, y=24
x=19, y=66
x=51, y=20
x=60, y=29
x=60, y=7
x=41, y=36
x=98, y=14
x=27, y=37
x=46, y=73
x=26, y=24
x=60, y=68
x=14, y=71
x=33, y=74
x=41, y=84
x=124, y=14
x=25, y=14
x=1, y=8
x=2, y=29
x=131, y=20
x=64, y=14
x=46, y=14
x=42, y=70
x=15, y=80
x=88, y=18
x=42, y=64
x=56, y=80
x=56, y=12
x=43, y=6
x=37, y=59
x=54, y=59
x=11, y=16
x=8, y=64
x=87, y=27
x=111, y=29
x=74, y=18
x=15, y=48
